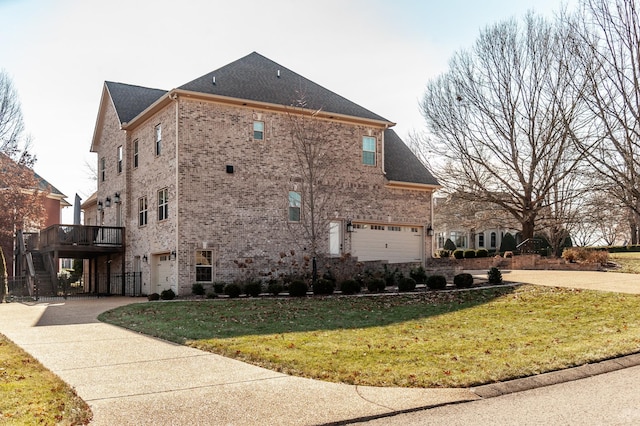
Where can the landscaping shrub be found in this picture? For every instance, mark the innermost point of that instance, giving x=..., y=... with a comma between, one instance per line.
x=444, y=254
x=324, y=286
x=376, y=285
x=350, y=287
x=253, y=288
x=406, y=284
x=232, y=290
x=167, y=295
x=197, y=289
x=218, y=287
x=437, y=282
x=458, y=254
x=494, y=276
x=463, y=280
x=298, y=288
x=469, y=254
x=212, y=295
x=482, y=253
x=275, y=288
x=153, y=296
x=450, y=245
x=508, y=243
x=585, y=255
x=418, y=274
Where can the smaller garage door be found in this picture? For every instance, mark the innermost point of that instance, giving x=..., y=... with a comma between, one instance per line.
x=395, y=244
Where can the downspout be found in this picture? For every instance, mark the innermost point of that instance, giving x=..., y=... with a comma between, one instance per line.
x=174, y=97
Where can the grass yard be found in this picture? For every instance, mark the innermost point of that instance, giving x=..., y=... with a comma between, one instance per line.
x=31, y=394
x=629, y=262
x=429, y=339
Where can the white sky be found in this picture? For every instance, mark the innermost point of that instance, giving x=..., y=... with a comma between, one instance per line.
x=377, y=53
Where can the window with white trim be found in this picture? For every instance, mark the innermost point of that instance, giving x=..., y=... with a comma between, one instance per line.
x=369, y=150
x=204, y=266
x=258, y=130
x=135, y=154
x=163, y=204
x=295, y=204
x=103, y=169
x=120, y=159
x=158, y=144
x=143, y=210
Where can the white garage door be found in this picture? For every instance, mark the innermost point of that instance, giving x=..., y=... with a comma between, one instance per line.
x=394, y=244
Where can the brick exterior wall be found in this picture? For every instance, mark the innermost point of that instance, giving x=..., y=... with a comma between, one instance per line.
x=241, y=216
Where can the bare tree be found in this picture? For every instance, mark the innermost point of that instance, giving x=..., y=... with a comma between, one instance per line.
x=609, y=49
x=503, y=119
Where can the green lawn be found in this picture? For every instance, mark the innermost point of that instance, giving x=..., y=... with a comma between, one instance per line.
x=629, y=261
x=428, y=339
x=32, y=395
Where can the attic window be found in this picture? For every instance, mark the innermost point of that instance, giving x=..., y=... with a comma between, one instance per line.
x=369, y=150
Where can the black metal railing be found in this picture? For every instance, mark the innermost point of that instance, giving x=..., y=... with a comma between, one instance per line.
x=81, y=235
x=127, y=284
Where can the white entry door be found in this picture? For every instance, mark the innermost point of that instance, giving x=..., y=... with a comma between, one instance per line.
x=163, y=272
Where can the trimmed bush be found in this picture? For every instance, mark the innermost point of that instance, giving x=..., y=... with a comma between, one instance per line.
x=463, y=280
x=253, y=288
x=298, y=288
x=324, y=286
x=437, y=282
x=376, y=285
x=406, y=284
x=444, y=254
x=390, y=278
x=494, y=276
x=508, y=243
x=350, y=287
x=232, y=290
x=197, y=289
x=153, y=296
x=469, y=254
x=458, y=254
x=218, y=287
x=418, y=274
x=212, y=295
x=275, y=288
x=482, y=253
x=167, y=295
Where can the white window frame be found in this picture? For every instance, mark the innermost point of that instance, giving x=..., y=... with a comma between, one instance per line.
x=368, y=154
x=143, y=211
x=163, y=204
x=103, y=169
x=258, y=130
x=158, y=139
x=295, y=205
x=201, y=257
x=136, y=153
x=120, y=159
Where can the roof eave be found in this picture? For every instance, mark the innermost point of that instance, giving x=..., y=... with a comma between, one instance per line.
x=412, y=185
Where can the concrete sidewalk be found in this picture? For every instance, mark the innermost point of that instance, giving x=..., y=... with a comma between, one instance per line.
x=131, y=379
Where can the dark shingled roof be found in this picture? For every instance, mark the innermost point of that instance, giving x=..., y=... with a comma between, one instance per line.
x=257, y=78
x=130, y=101
x=401, y=164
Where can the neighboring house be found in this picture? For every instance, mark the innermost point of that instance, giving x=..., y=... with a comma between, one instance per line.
x=204, y=179
x=471, y=224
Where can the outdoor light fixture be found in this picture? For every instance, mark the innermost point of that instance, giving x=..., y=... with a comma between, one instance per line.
x=430, y=231
x=173, y=255
x=107, y=202
x=145, y=259
x=99, y=206
x=116, y=198
x=349, y=226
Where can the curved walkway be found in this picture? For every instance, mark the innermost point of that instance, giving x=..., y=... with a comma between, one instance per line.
x=131, y=379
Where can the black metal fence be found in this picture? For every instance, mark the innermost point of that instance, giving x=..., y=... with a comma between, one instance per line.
x=127, y=284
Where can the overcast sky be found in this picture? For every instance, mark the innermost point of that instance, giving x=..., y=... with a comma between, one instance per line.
x=377, y=53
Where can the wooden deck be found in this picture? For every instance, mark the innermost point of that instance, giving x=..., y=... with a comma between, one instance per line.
x=78, y=241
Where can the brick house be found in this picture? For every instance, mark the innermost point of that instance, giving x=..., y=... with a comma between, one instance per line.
x=207, y=183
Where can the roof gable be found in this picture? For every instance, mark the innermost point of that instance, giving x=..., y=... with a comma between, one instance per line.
x=401, y=164
x=257, y=78
x=129, y=101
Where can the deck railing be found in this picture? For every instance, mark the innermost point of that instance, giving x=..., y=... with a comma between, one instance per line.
x=81, y=235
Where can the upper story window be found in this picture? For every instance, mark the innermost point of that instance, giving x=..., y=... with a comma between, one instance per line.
x=204, y=266
x=143, y=209
x=369, y=150
x=103, y=169
x=163, y=204
x=480, y=240
x=135, y=154
x=295, y=203
x=120, y=159
x=258, y=130
x=158, y=143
